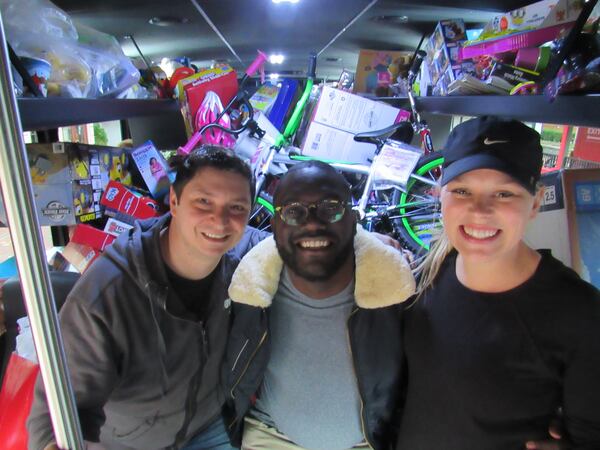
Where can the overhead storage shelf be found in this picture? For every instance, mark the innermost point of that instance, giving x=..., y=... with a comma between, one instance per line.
x=584, y=110
x=581, y=110
x=48, y=113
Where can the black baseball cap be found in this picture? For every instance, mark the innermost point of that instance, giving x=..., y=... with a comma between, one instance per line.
x=488, y=142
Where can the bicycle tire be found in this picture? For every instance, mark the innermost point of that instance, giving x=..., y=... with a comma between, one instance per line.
x=262, y=212
x=419, y=219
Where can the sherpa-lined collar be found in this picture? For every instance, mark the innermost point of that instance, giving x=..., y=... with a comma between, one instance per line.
x=382, y=278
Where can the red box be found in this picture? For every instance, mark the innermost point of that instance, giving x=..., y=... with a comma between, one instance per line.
x=80, y=255
x=92, y=237
x=124, y=205
x=191, y=90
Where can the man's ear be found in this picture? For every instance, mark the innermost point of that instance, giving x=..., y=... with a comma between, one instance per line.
x=173, y=202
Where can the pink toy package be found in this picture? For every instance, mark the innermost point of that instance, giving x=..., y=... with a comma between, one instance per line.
x=153, y=168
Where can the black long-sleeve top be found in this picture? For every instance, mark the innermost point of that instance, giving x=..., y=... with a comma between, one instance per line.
x=488, y=371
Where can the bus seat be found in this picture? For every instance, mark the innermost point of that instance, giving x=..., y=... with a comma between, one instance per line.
x=14, y=308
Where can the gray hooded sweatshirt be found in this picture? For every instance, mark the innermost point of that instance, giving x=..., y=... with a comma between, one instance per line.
x=143, y=377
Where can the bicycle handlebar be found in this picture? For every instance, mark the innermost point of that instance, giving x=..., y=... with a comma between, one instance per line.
x=312, y=65
x=258, y=61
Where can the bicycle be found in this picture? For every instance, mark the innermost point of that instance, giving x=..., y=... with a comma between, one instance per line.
x=406, y=209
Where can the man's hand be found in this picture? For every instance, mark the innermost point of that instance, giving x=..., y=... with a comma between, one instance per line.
x=88, y=446
x=388, y=240
x=546, y=445
x=555, y=430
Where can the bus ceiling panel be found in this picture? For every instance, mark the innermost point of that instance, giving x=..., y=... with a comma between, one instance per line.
x=291, y=29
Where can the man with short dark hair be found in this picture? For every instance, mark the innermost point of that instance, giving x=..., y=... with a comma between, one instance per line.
x=145, y=328
x=316, y=335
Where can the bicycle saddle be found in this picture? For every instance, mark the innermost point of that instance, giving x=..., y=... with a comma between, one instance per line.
x=401, y=131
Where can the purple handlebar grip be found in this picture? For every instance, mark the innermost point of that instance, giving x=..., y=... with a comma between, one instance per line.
x=261, y=58
x=190, y=145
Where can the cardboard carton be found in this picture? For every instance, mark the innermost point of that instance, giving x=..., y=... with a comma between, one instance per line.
x=68, y=180
x=92, y=237
x=220, y=80
x=337, y=117
x=377, y=69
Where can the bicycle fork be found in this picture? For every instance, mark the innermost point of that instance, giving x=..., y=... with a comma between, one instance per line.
x=364, y=198
x=263, y=170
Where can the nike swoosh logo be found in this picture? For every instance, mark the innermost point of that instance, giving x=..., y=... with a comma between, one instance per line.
x=490, y=142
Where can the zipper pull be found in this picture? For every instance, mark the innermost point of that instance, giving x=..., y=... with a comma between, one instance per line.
x=204, y=340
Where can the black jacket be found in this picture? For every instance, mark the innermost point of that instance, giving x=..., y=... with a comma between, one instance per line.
x=140, y=373
x=382, y=281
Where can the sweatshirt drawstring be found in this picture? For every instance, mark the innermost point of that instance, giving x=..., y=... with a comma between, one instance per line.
x=162, y=346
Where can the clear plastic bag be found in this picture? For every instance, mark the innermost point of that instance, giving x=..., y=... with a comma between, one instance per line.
x=112, y=72
x=53, y=38
x=85, y=62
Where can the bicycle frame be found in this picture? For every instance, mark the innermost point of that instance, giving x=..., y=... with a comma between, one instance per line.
x=419, y=125
x=361, y=206
x=290, y=128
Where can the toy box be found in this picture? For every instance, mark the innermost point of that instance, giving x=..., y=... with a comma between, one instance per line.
x=125, y=206
x=80, y=256
x=337, y=117
x=507, y=77
x=221, y=80
x=529, y=26
x=330, y=143
x=569, y=221
x=377, y=69
x=353, y=113
x=255, y=150
x=92, y=237
x=282, y=106
x=443, y=59
x=153, y=169
x=68, y=179
x=116, y=227
x=264, y=97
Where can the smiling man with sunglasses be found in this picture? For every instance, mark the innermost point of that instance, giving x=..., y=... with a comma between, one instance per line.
x=314, y=351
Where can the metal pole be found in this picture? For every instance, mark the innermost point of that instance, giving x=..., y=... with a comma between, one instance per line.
x=35, y=280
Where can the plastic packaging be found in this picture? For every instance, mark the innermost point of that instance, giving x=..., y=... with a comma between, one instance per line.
x=208, y=112
x=24, y=341
x=112, y=72
x=84, y=62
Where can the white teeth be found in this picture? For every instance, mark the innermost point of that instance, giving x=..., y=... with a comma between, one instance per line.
x=215, y=236
x=480, y=234
x=314, y=244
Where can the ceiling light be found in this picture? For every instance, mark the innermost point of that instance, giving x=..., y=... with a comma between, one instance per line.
x=276, y=59
x=274, y=76
x=390, y=19
x=285, y=1
x=168, y=21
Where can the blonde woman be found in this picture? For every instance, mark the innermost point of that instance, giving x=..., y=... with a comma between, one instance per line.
x=500, y=335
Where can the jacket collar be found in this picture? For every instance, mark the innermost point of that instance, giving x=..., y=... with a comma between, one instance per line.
x=383, y=277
